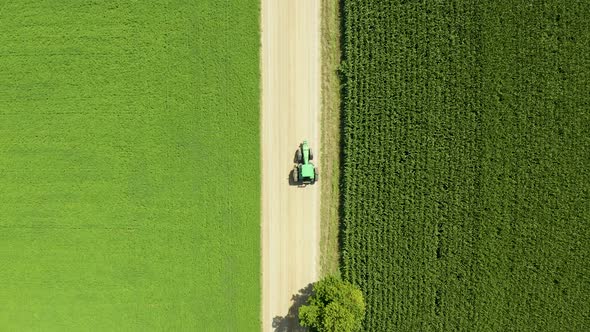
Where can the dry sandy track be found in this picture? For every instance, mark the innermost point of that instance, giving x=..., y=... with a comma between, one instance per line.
x=290, y=114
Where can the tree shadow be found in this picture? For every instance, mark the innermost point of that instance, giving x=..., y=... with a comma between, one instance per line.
x=290, y=322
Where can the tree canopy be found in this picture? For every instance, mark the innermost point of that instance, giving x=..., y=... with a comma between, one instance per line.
x=335, y=305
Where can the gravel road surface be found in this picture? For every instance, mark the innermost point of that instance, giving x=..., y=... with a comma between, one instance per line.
x=290, y=113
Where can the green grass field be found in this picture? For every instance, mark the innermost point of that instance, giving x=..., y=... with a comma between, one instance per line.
x=129, y=169
x=466, y=155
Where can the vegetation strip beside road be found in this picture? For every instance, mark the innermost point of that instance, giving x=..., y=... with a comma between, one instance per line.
x=129, y=170
x=466, y=143
x=330, y=123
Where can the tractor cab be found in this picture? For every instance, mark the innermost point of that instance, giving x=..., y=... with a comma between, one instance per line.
x=307, y=173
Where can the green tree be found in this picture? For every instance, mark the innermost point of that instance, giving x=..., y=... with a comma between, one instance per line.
x=335, y=305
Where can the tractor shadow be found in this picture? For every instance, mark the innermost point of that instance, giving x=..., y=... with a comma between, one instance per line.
x=295, y=160
x=293, y=183
x=290, y=322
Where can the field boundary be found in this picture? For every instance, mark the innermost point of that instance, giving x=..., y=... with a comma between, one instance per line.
x=331, y=124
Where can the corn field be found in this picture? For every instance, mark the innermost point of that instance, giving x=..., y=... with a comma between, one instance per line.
x=466, y=148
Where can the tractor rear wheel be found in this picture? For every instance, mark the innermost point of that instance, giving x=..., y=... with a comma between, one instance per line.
x=295, y=175
x=315, y=175
x=310, y=155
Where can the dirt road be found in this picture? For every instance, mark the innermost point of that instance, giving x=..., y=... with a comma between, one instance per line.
x=290, y=114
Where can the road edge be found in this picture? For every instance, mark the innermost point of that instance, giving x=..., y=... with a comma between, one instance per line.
x=263, y=231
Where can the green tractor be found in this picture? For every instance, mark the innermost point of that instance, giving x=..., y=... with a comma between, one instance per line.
x=304, y=172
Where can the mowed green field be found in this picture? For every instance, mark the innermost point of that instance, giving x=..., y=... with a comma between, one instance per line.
x=129, y=168
x=466, y=154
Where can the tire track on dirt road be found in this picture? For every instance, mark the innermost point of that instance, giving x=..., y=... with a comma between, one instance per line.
x=290, y=65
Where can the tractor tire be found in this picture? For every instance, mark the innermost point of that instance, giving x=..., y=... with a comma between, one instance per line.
x=315, y=175
x=295, y=175
x=298, y=156
x=310, y=155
